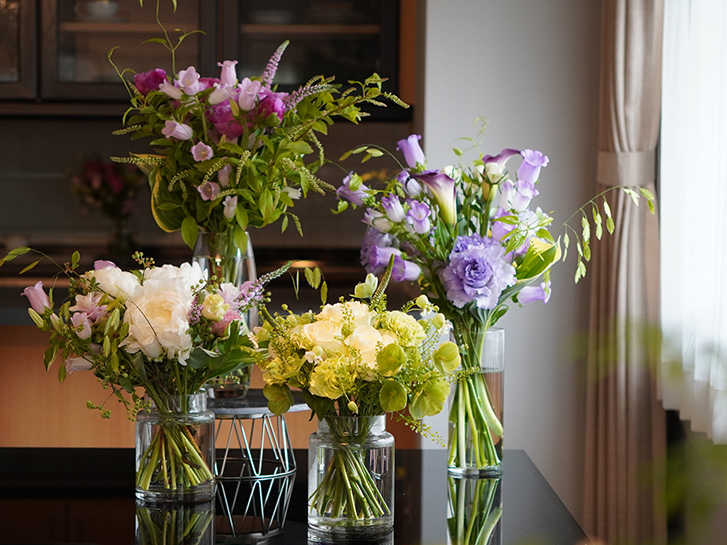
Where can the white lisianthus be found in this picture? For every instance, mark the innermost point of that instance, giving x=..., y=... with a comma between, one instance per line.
x=157, y=317
x=116, y=282
x=326, y=334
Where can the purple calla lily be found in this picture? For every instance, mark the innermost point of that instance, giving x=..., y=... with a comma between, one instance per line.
x=443, y=189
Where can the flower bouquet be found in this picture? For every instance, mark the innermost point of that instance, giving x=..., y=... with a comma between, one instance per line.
x=231, y=154
x=110, y=188
x=469, y=236
x=353, y=362
x=152, y=336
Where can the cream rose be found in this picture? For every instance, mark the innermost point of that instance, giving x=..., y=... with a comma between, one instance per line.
x=357, y=312
x=326, y=334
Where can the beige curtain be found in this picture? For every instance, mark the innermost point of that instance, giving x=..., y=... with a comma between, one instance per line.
x=625, y=434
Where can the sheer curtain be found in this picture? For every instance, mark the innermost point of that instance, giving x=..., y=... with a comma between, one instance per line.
x=693, y=200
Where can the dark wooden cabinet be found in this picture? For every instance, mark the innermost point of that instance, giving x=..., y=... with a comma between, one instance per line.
x=54, y=54
x=18, y=49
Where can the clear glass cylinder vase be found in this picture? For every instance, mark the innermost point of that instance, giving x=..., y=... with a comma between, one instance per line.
x=474, y=511
x=351, y=478
x=476, y=402
x=175, y=451
x=219, y=255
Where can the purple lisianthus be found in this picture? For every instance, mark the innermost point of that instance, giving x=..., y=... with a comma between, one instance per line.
x=90, y=305
x=355, y=196
x=477, y=272
x=271, y=103
x=220, y=115
x=533, y=161
x=146, y=82
x=418, y=216
x=413, y=154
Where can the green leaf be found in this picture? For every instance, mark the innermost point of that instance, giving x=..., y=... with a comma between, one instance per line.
x=190, y=230
x=299, y=147
x=241, y=239
x=313, y=276
x=29, y=267
x=50, y=355
x=15, y=252
x=75, y=259
x=324, y=292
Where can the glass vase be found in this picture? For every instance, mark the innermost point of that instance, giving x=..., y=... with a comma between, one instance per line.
x=350, y=478
x=175, y=451
x=474, y=511
x=218, y=255
x=475, y=438
x=171, y=524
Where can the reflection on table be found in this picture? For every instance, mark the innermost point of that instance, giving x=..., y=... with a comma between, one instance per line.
x=87, y=496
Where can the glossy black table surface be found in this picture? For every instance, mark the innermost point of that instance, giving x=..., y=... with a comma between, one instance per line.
x=86, y=496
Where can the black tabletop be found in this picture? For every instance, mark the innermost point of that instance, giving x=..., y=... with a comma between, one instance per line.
x=86, y=496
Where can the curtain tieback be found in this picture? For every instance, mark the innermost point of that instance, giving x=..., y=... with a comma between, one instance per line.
x=626, y=168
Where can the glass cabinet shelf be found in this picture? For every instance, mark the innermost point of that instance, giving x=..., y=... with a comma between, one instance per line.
x=303, y=29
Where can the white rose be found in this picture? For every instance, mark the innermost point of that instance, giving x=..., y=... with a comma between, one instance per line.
x=326, y=334
x=116, y=282
x=368, y=341
x=359, y=313
x=157, y=316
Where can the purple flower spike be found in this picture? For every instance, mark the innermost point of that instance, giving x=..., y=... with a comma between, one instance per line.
x=533, y=161
x=413, y=154
x=443, y=189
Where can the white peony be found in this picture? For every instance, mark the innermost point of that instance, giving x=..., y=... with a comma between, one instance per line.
x=157, y=315
x=191, y=274
x=116, y=282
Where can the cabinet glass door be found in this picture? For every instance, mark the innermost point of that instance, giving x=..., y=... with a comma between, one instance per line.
x=78, y=35
x=348, y=39
x=17, y=49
